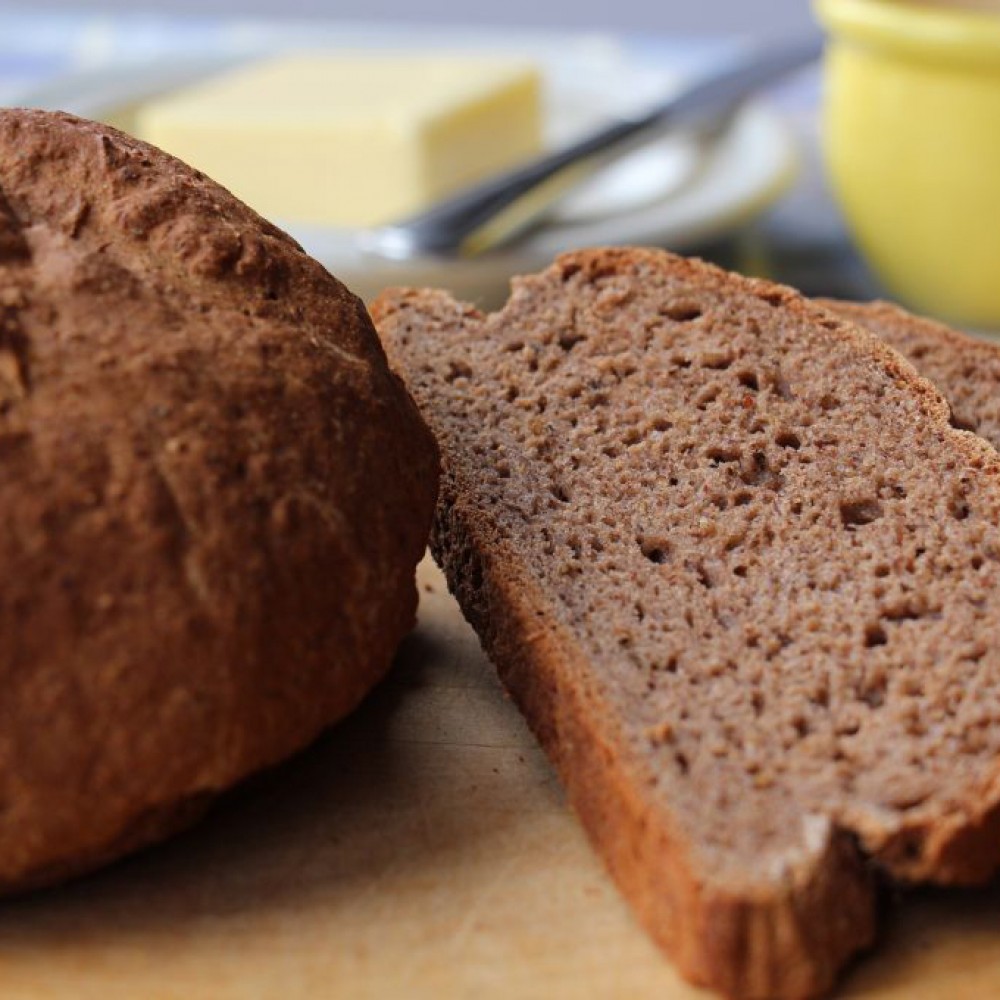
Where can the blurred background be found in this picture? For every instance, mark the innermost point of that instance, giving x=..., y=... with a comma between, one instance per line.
x=712, y=16
x=767, y=193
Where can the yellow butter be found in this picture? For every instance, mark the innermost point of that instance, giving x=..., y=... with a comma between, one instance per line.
x=351, y=139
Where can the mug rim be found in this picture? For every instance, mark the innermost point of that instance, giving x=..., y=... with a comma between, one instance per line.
x=933, y=32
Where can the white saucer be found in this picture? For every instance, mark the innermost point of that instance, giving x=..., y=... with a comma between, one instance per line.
x=674, y=193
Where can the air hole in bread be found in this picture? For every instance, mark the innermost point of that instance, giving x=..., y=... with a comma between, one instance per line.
x=786, y=439
x=707, y=395
x=875, y=635
x=904, y=611
x=858, y=513
x=716, y=360
x=735, y=540
x=960, y=510
x=748, y=379
x=976, y=653
x=457, y=370
x=681, y=311
x=559, y=492
x=757, y=472
x=655, y=548
x=782, y=387
x=570, y=338
x=718, y=454
x=873, y=694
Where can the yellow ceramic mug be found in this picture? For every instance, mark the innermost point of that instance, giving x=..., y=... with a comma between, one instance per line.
x=912, y=142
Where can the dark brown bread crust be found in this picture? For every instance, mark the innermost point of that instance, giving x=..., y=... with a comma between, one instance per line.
x=965, y=369
x=214, y=495
x=838, y=788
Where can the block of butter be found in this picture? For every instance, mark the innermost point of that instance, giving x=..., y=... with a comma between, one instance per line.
x=348, y=138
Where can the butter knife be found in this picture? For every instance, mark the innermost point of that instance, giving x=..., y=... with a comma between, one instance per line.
x=496, y=211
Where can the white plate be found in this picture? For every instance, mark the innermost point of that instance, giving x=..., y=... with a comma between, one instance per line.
x=674, y=193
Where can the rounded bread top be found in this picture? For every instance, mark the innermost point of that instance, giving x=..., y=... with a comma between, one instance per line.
x=213, y=490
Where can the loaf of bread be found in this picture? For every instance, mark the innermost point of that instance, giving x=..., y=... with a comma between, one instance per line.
x=965, y=369
x=213, y=496
x=743, y=578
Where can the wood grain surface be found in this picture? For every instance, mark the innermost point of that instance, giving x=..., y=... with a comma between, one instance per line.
x=421, y=850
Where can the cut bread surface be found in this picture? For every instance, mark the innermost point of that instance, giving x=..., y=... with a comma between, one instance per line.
x=740, y=573
x=966, y=369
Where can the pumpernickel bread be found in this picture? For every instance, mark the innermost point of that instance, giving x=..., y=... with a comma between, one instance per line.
x=213, y=496
x=965, y=369
x=742, y=577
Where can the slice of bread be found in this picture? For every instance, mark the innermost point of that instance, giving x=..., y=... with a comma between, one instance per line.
x=741, y=575
x=966, y=369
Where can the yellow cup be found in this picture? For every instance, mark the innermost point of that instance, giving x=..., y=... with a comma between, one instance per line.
x=912, y=144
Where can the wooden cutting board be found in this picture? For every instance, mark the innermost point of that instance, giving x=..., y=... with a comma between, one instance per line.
x=421, y=850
